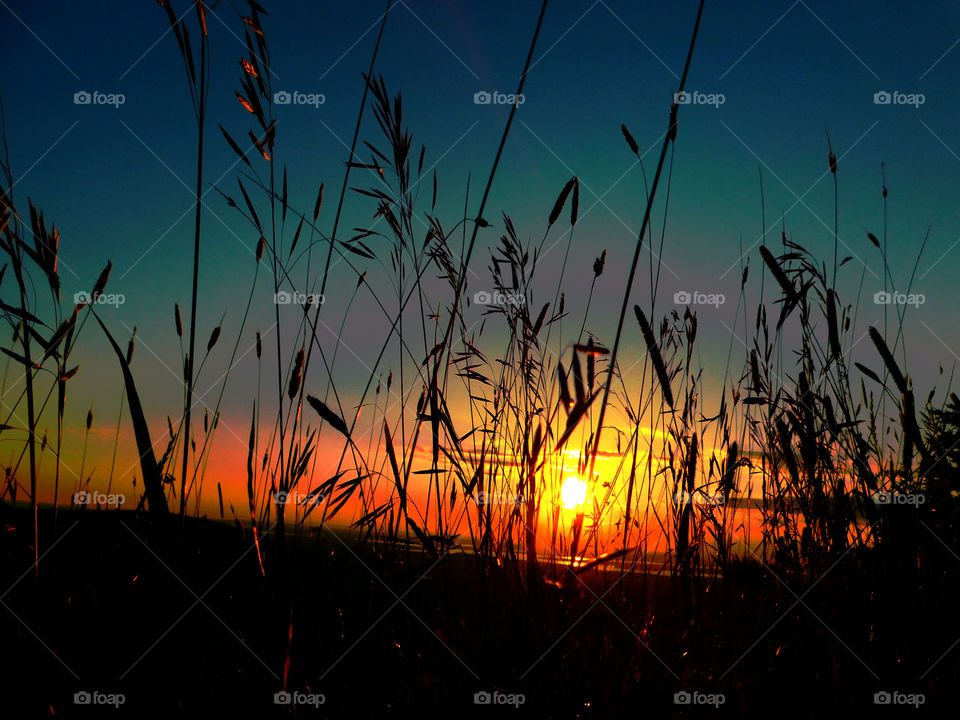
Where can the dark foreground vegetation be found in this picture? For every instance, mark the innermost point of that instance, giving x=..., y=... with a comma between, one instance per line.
x=383, y=636
x=847, y=600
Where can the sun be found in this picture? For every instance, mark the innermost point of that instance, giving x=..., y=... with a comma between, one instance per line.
x=573, y=492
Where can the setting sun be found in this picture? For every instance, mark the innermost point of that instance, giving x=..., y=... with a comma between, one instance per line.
x=573, y=492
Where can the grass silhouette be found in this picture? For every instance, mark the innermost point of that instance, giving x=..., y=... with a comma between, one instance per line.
x=450, y=480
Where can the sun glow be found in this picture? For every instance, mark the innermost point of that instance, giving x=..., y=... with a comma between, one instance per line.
x=573, y=492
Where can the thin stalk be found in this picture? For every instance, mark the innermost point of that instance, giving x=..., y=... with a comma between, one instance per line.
x=31, y=412
x=188, y=405
x=668, y=140
x=343, y=189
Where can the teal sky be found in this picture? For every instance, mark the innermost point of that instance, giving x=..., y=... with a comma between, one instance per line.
x=118, y=181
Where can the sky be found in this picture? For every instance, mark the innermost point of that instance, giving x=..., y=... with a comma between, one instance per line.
x=768, y=81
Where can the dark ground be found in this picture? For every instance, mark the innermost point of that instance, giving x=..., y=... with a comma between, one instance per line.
x=185, y=625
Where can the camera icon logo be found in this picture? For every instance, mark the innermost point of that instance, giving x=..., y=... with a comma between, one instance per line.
x=881, y=297
x=283, y=298
x=681, y=297
x=682, y=98
x=882, y=698
x=81, y=498
x=482, y=698
x=282, y=698
x=82, y=98
x=682, y=698
x=282, y=497
x=482, y=298
x=881, y=98
x=481, y=98
x=82, y=698
x=281, y=97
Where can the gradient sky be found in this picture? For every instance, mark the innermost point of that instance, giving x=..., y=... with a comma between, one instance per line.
x=116, y=181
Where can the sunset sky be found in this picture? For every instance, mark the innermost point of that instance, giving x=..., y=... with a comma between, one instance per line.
x=118, y=181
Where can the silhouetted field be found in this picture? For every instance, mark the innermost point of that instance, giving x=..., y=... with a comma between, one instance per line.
x=466, y=551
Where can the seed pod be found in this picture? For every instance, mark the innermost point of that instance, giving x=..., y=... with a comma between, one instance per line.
x=575, y=202
x=654, y=351
x=214, y=336
x=316, y=207
x=295, y=377
x=831, y=158
x=833, y=333
x=561, y=200
x=130, y=346
x=599, y=263
x=634, y=148
x=101, y=282
x=177, y=320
